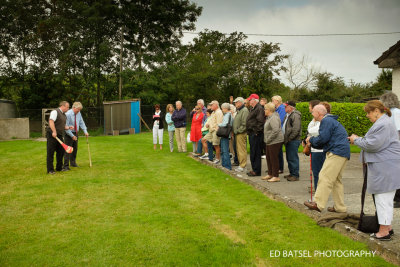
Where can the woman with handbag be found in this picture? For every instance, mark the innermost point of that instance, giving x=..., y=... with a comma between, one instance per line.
x=381, y=150
x=273, y=139
x=227, y=123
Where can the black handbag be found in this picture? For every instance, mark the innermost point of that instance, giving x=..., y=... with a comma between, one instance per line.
x=225, y=131
x=368, y=223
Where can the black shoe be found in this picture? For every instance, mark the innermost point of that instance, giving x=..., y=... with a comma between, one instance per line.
x=391, y=232
x=292, y=178
x=382, y=238
x=286, y=176
x=51, y=172
x=252, y=173
x=235, y=164
x=65, y=169
x=396, y=204
x=74, y=165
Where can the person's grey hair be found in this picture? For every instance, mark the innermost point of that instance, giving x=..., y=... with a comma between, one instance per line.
x=232, y=107
x=201, y=101
x=321, y=109
x=226, y=105
x=390, y=100
x=257, y=100
x=270, y=106
x=180, y=102
x=63, y=103
x=77, y=105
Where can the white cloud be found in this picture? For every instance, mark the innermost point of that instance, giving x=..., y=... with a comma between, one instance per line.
x=350, y=57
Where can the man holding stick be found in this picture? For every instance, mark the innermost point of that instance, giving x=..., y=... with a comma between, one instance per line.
x=74, y=121
x=57, y=125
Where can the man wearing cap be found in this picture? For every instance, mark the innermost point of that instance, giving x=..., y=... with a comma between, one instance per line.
x=239, y=129
x=212, y=139
x=292, y=134
x=255, y=130
x=74, y=119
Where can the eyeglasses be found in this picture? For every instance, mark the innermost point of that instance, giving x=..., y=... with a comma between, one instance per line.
x=197, y=109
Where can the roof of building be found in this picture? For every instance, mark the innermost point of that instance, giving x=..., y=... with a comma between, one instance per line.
x=390, y=58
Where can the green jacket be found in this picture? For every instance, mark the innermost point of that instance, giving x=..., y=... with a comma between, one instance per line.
x=239, y=123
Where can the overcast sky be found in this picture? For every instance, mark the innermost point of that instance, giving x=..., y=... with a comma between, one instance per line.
x=350, y=57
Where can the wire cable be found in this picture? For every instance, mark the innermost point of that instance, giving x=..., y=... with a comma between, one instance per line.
x=309, y=35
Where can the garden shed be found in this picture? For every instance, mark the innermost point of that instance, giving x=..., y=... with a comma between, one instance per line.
x=391, y=59
x=122, y=116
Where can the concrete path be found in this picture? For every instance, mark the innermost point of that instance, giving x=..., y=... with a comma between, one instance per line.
x=295, y=193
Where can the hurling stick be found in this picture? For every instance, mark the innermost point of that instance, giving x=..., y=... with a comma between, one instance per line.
x=88, y=147
x=68, y=149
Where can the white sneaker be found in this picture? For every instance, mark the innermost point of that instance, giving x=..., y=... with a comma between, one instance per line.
x=239, y=169
x=263, y=157
x=216, y=161
x=205, y=156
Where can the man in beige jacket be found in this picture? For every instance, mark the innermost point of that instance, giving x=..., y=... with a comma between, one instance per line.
x=213, y=140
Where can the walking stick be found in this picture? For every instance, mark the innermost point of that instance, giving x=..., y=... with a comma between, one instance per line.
x=88, y=147
x=311, y=175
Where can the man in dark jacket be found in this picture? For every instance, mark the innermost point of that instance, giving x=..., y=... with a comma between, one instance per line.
x=255, y=130
x=292, y=132
x=179, y=119
x=333, y=139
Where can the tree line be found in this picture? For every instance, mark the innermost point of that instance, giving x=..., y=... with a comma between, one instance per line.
x=73, y=50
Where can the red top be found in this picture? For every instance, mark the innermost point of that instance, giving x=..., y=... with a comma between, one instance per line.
x=195, y=132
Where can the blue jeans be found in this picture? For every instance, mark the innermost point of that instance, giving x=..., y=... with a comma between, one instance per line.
x=210, y=150
x=199, y=147
x=280, y=157
x=225, y=158
x=292, y=157
x=317, y=160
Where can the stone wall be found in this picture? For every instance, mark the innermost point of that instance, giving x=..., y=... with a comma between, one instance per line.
x=15, y=128
x=396, y=81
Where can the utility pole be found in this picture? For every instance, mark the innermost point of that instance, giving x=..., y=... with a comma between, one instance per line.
x=120, y=62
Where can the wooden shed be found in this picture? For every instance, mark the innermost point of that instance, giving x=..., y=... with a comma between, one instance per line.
x=122, y=116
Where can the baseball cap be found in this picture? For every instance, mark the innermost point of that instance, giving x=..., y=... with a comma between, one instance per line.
x=290, y=103
x=253, y=96
x=238, y=99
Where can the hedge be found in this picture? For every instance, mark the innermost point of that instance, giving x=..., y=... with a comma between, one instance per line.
x=351, y=115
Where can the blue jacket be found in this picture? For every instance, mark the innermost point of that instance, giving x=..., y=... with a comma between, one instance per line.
x=282, y=113
x=332, y=137
x=179, y=118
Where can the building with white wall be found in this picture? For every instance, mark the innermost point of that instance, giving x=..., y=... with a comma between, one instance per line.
x=391, y=59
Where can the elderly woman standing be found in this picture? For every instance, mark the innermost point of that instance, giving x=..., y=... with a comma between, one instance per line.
x=391, y=101
x=381, y=153
x=225, y=158
x=171, y=127
x=273, y=139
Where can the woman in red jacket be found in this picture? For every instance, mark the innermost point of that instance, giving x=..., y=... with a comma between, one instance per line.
x=195, y=132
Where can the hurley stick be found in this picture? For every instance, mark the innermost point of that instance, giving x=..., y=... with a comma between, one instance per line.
x=68, y=149
x=88, y=147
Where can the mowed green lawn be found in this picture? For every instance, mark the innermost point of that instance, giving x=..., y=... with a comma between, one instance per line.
x=140, y=207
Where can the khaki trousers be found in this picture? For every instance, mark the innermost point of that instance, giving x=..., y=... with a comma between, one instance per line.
x=241, y=149
x=181, y=139
x=330, y=181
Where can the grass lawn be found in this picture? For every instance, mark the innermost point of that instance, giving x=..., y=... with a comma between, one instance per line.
x=140, y=207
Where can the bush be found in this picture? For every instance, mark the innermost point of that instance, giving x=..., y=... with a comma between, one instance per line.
x=351, y=116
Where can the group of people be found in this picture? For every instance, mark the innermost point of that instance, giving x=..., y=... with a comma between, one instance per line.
x=64, y=121
x=270, y=126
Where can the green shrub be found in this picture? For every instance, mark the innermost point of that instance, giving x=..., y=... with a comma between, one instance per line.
x=351, y=115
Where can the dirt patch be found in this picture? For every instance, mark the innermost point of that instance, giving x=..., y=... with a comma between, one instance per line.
x=230, y=233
